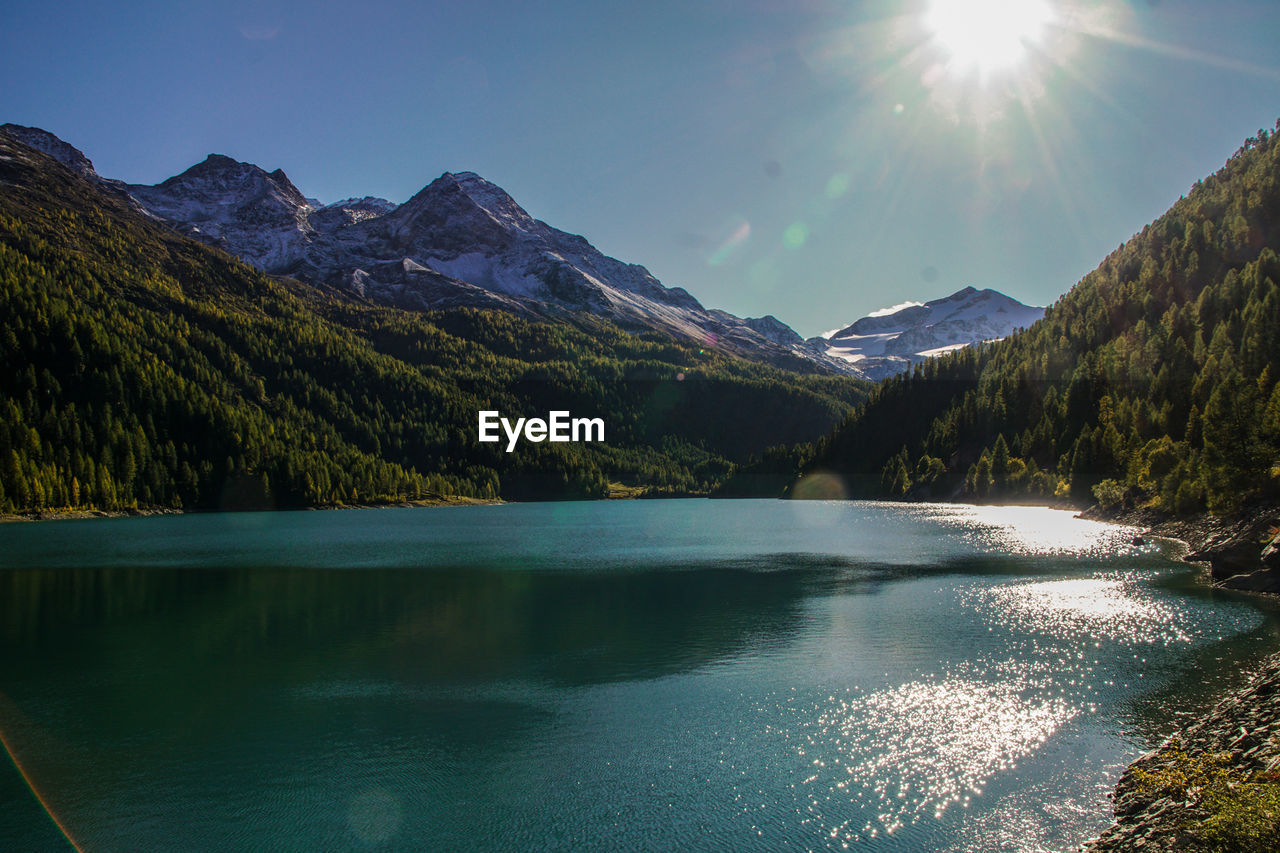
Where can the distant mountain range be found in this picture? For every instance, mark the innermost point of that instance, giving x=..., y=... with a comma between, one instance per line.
x=462, y=241
x=889, y=342
x=459, y=242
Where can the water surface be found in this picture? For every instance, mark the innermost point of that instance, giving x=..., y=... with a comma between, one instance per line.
x=629, y=675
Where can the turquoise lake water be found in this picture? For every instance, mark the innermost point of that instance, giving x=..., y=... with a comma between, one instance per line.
x=640, y=675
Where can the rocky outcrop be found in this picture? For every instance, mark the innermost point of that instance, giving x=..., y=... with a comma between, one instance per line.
x=1240, y=550
x=1243, y=556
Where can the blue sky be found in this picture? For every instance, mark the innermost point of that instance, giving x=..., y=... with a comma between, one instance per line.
x=815, y=160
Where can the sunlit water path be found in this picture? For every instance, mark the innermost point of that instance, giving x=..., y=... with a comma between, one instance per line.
x=631, y=675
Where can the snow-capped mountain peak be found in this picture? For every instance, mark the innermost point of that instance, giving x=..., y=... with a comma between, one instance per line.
x=222, y=180
x=463, y=202
x=774, y=329
x=882, y=344
x=493, y=199
x=260, y=216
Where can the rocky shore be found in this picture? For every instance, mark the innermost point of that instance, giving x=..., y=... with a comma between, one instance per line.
x=63, y=514
x=1214, y=785
x=1241, y=550
x=1211, y=786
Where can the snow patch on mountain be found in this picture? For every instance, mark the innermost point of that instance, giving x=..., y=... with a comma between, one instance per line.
x=480, y=269
x=371, y=204
x=348, y=211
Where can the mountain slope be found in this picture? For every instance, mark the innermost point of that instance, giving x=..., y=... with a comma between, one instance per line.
x=147, y=369
x=460, y=241
x=885, y=344
x=1153, y=380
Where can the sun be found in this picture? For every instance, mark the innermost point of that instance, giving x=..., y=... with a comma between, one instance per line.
x=987, y=35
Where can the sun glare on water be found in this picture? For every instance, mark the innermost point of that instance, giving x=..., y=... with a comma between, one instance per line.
x=987, y=35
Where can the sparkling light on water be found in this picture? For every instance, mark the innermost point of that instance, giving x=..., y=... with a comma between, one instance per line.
x=916, y=750
x=1030, y=530
x=1111, y=607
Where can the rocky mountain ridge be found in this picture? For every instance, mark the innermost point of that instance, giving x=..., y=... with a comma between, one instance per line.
x=464, y=241
x=460, y=241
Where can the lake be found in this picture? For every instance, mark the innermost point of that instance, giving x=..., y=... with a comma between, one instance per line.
x=648, y=675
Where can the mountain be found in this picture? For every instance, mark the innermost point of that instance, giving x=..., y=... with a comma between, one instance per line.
x=888, y=342
x=65, y=153
x=73, y=158
x=774, y=329
x=259, y=216
x=147, y=369
x=1152, y=382
x=460, y=241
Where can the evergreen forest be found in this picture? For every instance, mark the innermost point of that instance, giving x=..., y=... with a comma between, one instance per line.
x=145, y=370
x=1153, y=382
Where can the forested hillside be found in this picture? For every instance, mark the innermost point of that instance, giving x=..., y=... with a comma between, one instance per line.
x=142, y=369
x=1153, y=381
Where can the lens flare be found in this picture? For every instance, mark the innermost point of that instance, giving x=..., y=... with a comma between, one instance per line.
x=8, y=711
x=796, y=235
x=730, y=245
x=819, y=486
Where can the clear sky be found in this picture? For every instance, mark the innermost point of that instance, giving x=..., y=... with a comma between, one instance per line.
x=815, y=160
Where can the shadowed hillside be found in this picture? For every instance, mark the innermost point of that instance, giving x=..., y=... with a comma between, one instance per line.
x=1153, y=380
x=143, y=369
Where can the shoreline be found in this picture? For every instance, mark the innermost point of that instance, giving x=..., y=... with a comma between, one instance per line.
x=1225, y=543
x=1237, y=548
x=80, y=514
x=1214, y=781
x=1212, y=785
